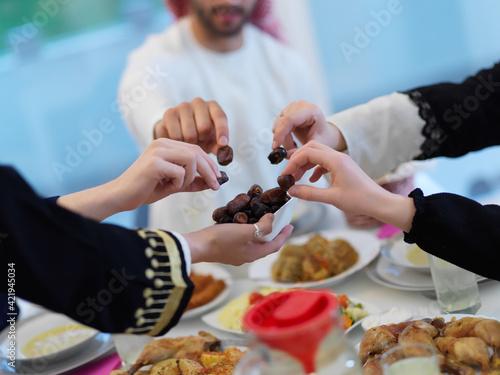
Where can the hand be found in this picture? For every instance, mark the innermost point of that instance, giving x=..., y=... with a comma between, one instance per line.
x=234, y=243
x=164, y=168
x=351, y=190
x=307, y=122
x=197, y=122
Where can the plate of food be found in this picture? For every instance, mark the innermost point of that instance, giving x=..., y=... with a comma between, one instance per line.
x=47, y=337
x=397, y=251
x=316, y=260
x=229, y=318
x=467, y=344
x=196, y=354
x=212, y=287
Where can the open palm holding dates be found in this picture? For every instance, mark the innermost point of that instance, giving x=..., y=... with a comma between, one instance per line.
x=249, y=207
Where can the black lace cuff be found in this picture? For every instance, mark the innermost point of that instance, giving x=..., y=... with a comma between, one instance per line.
x=432, y=131
x=418, y=201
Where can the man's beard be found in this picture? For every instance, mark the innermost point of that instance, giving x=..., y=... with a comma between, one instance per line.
x=207, y=20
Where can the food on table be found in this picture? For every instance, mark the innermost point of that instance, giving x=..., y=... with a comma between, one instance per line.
x=277, y=155
x=231, y=315
x=286, y=182
x=251, y=206
x=56, y=339
x=206, y=289
x=464, y=346
x=223, y=178
x=394, y=315
x=351, y=312
x=417, y=256
x=224, y=155
x=318, y=259
x=193, y=355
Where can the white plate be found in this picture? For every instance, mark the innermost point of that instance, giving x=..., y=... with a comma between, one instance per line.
x=218, y=273
x=388, y=274
x=396, y=251
x=29, y=328
x=366, y=244
x=100, y=346
x=213, y=321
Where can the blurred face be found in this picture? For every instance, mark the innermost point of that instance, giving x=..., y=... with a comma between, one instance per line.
x=222, y=17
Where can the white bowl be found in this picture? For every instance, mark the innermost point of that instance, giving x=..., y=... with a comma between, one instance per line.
x=282, y=218
x=396, y=251
x=63, y=344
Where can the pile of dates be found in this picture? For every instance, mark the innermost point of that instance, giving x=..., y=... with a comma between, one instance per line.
x=251, y=206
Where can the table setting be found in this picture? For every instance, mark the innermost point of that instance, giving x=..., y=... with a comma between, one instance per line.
x=384, y=285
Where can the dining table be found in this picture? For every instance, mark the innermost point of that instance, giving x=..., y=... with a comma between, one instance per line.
x=358, y=286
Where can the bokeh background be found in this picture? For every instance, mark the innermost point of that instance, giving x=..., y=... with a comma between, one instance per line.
x=61, y=61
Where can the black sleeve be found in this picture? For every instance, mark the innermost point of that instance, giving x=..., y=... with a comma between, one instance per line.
x=460, y=118
x=458, y=230
x=104, y=276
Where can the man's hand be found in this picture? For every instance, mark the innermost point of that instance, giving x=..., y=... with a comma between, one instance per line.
x=197, y=122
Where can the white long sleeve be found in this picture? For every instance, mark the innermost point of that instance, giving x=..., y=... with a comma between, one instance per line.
x=381, y=134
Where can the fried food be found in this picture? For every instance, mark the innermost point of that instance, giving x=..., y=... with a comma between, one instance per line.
x=468, y=350
x=318, y=259
x=190, y=347
x=193, y=355
x=206, y=289
x=464, y=345
x=483, y=328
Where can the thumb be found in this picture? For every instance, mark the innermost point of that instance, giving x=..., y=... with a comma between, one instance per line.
x=311, y=193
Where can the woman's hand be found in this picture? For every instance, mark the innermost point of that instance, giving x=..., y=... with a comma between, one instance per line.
x=306, y=121
x=351, y=190
x=235, y=244
x=164, y=168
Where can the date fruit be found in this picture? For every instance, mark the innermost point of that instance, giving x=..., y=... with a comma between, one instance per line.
x=219, y=213
x=286, y=182
x=240, y=218
x=273, y=196
x=224, y=155
x=223, y=178
x=255, y=191
x=277, y=155
x=239, y=203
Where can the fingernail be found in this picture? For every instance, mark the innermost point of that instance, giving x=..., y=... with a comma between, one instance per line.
x=223, y=140
x=293, y=191
x=275, y=144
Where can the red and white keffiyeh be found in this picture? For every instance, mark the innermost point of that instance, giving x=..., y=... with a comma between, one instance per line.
x=262, y=17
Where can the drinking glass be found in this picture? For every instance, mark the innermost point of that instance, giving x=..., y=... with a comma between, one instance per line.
x=410, y=359
x=456, y=288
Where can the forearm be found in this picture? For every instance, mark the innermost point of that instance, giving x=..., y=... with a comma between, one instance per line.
x=458, y=230
x=55, y=251
x=97, y=203
x=381, y=134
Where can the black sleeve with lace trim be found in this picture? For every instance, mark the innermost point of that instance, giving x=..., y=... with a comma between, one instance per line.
x=460, y=118
x=458, y=230
x=104, y=276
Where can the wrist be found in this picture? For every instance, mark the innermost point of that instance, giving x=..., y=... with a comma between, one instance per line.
x=338, y=142
x=395, y=210
x=197, y=246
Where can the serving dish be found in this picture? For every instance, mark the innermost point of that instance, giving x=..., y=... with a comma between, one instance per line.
x=212, y=319
x=397, y=251
x=217, y=272
x=282, y=218
x=366, y=244
x=47, y=337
